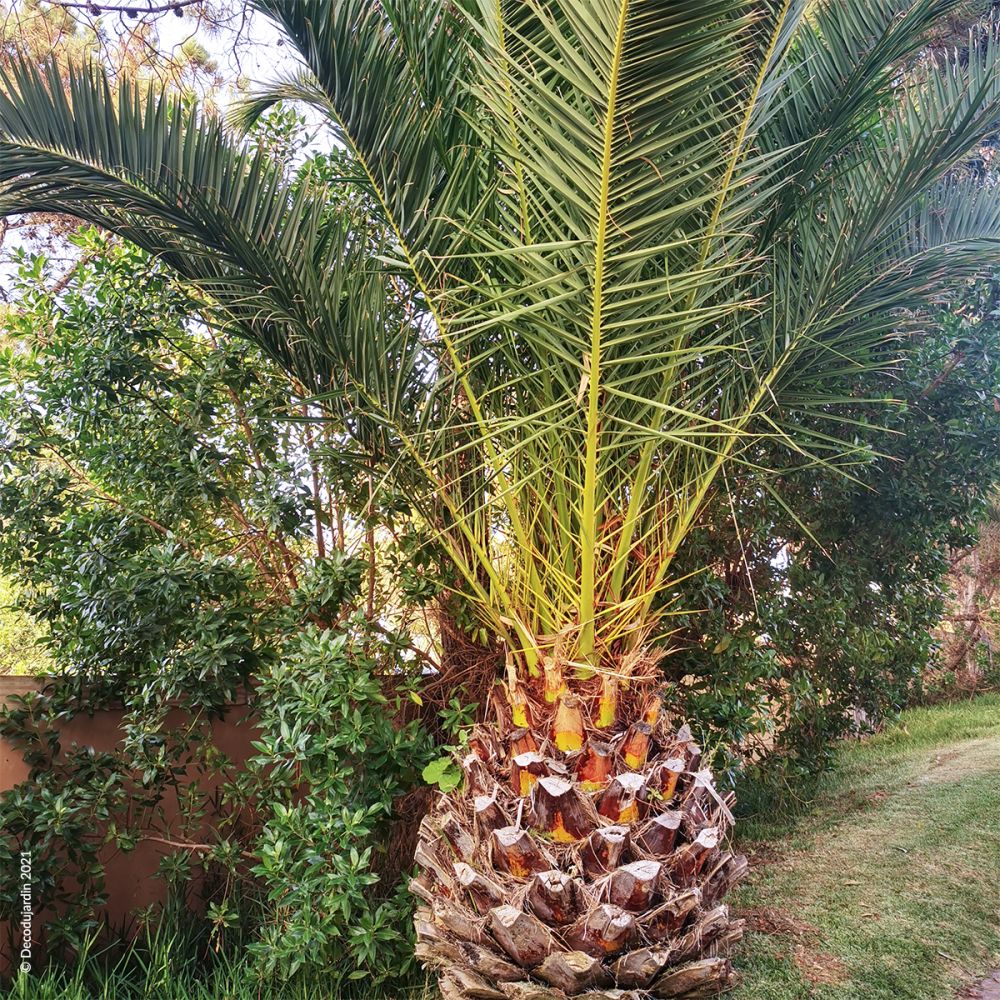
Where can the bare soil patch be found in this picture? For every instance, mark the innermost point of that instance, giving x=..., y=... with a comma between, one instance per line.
x=818, y=967
x=970, y=759
x=771, y=920
x=988, y=989
x=763, y=854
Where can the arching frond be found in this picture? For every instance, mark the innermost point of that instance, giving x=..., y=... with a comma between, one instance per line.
x=629, y=239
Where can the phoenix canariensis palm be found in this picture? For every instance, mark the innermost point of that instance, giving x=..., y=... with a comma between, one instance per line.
x=618, y=244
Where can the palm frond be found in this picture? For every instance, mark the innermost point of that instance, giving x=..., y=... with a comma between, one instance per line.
x=620, y=244
x=271, y=260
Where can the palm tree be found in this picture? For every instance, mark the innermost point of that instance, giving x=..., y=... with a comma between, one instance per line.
x=621, y=244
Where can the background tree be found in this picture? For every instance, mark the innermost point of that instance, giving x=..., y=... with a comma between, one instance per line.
x=968, y=631
x=20, y=636
x=821, y=612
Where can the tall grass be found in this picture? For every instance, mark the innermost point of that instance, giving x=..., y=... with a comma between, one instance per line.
x=165, y=967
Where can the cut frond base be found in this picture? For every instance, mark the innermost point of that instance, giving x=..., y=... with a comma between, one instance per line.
x=578, y=861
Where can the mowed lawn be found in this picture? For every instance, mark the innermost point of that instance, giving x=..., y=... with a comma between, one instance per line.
x=887, y=885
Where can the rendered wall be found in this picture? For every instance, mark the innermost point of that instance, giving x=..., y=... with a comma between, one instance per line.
x=130, y=877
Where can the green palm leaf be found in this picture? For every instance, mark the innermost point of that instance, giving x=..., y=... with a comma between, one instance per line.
x=628, y=240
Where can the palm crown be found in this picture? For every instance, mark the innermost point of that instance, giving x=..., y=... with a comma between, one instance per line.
x=619, y=243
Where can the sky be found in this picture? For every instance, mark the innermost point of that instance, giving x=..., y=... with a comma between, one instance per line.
x=246, y=46
x=249, y=46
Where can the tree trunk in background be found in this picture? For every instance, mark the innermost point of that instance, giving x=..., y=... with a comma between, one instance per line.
x=966, y=628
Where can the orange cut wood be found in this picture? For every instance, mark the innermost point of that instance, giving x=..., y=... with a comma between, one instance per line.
x=605, y=930
x=594, y=766
x=522, y=741
x=635, y=749
x=561, y=811
x=526, y=769
x=621, y=800
x=652, y=710
x=567, y=726
x=667, y=777
x=515, y=852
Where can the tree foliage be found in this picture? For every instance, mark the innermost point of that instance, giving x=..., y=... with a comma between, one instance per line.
x=184, y=532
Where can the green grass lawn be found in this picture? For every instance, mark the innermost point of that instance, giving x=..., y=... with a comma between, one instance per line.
x=888, y=886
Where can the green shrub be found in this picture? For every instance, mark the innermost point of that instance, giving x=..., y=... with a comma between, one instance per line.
x=183, y=541
x=334, y=764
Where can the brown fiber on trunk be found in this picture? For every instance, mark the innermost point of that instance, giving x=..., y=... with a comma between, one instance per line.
x=657, y=837
x=664, y=922
x=461, y=983
x=640, y=967
x=604, y=849
x=489, y=813
x=572, y=971
x=705, y=978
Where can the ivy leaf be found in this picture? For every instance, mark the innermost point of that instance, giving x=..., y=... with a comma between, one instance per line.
x=443, y=773
x=723, y=644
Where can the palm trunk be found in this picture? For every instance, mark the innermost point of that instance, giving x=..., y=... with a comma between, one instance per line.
x=578, y=859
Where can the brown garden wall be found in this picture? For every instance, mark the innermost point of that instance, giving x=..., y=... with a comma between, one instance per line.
x=131, y=884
